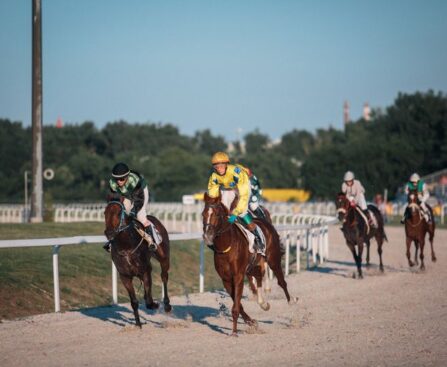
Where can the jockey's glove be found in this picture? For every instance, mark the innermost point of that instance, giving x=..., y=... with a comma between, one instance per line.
x=232, y=218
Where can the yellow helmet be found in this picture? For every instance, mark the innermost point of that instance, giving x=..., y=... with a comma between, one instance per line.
x=220, y=157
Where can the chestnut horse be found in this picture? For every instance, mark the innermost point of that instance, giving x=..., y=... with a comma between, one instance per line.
x=232, y=256
x=416, y=227
x=131, y=255
x=355, y=230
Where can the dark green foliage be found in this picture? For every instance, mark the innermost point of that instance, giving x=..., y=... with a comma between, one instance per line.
x=410, y=135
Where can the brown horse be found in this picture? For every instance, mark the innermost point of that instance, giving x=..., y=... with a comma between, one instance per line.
x=232, y=256
x=355, y=230
x=416, y=227
x=131, y=255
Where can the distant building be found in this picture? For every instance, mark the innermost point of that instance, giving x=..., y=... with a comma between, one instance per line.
x=59, y=123
x=346, y=117
x=366, y=112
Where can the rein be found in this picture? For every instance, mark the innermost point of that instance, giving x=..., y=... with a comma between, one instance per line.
x=122, y=227
x=218, y=232
x=416, y=206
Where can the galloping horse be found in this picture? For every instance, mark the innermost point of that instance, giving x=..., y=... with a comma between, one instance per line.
x=357, y=232
x=416, y=227
x=232, y=256
x=131, y=255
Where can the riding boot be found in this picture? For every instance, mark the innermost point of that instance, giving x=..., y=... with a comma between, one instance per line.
x=259, y=213
x=259, y=245
x=150, y=238
x=371, y=222
x=107, y=246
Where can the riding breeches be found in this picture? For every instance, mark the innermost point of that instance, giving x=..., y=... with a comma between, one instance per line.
x=142, y=214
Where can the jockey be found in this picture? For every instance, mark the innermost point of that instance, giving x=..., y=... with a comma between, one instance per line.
x=225, y=180
x=256, y=194
x=133, y=187
x=415, y=183
x=356, y=193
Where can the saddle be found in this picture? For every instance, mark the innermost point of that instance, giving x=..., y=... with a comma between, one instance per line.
x=251, y=237
x=371, y=221
x=151, y=235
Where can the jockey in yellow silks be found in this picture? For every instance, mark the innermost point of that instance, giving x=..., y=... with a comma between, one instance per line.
x=225, y=180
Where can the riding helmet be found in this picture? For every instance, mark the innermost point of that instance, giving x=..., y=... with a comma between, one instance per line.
x=349, y=176
x=415, y=177
x=120, y=170
x=220, y=157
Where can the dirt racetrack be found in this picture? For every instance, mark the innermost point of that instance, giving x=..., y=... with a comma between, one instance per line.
x=395, y=319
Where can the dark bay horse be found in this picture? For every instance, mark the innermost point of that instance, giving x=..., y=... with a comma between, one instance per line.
x=232, y=256
x=131, y=255
x=355, y=230
x=416, y=228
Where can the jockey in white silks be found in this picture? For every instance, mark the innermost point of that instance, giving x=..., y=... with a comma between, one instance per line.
x=355, y=192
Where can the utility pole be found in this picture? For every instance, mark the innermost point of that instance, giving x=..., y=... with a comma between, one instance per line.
x=37, y=186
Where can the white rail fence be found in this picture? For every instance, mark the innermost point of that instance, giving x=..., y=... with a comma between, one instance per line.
x=309, y=235
x=176, y=216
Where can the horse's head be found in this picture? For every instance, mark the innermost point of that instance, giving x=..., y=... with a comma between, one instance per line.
x=214, y=216
x=413, y=201
x=342, y=204
x=115, y=217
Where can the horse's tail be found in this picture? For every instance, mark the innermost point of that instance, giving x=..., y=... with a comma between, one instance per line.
x=380, y=220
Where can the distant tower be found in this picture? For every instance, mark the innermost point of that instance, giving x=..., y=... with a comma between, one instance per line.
x=366, y=112
x=346, y=117
x=59, y=123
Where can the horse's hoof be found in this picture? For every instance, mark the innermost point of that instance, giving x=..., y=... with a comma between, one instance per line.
x=433, y=259
x=381, y=269
x=234, y=334
x=360, y=276
x=411, y=264
x=268, y=290
x=252, y=323
x=168, y=308
x=265, y=306
x=293, y=301
x=152, y=306
x=354, y=275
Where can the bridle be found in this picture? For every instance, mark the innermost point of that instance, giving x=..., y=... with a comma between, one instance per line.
x=221, y=217
x=122, y=225
x=343, y=209
x=414, y=205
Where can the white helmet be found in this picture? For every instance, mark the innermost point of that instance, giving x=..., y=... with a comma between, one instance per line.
x=414, y=177
x=349, y=176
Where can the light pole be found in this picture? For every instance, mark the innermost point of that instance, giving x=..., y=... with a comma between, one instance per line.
x=37, y=191
x=25, y=210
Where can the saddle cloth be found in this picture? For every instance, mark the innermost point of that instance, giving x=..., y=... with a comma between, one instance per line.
x=250, y=236
x=373, y=219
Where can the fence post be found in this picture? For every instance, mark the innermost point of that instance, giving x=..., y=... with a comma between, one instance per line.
x=286, y=239
x=202, y=267
x=307, y=248
x=298, y=250
x=114, y=284
x=57, y=300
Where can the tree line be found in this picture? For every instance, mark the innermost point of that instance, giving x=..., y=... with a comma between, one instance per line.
x=408, y=136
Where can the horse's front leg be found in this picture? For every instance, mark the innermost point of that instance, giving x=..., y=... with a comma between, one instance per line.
x=229, y=286
x=416, y=245
x=368, y=244
x=409, y=240
x=422, y=244
x=147, y=281
x=164, y=264
x=238, y=284
x=359, y=259
x=127, y=282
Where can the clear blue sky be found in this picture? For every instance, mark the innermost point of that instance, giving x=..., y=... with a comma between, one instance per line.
x=272, y=65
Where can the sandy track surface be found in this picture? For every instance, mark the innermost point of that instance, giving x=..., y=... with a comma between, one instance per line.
x=395, y=319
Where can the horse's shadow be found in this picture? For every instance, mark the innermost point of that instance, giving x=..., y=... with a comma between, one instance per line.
x=123, y=316
x=333, y=270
